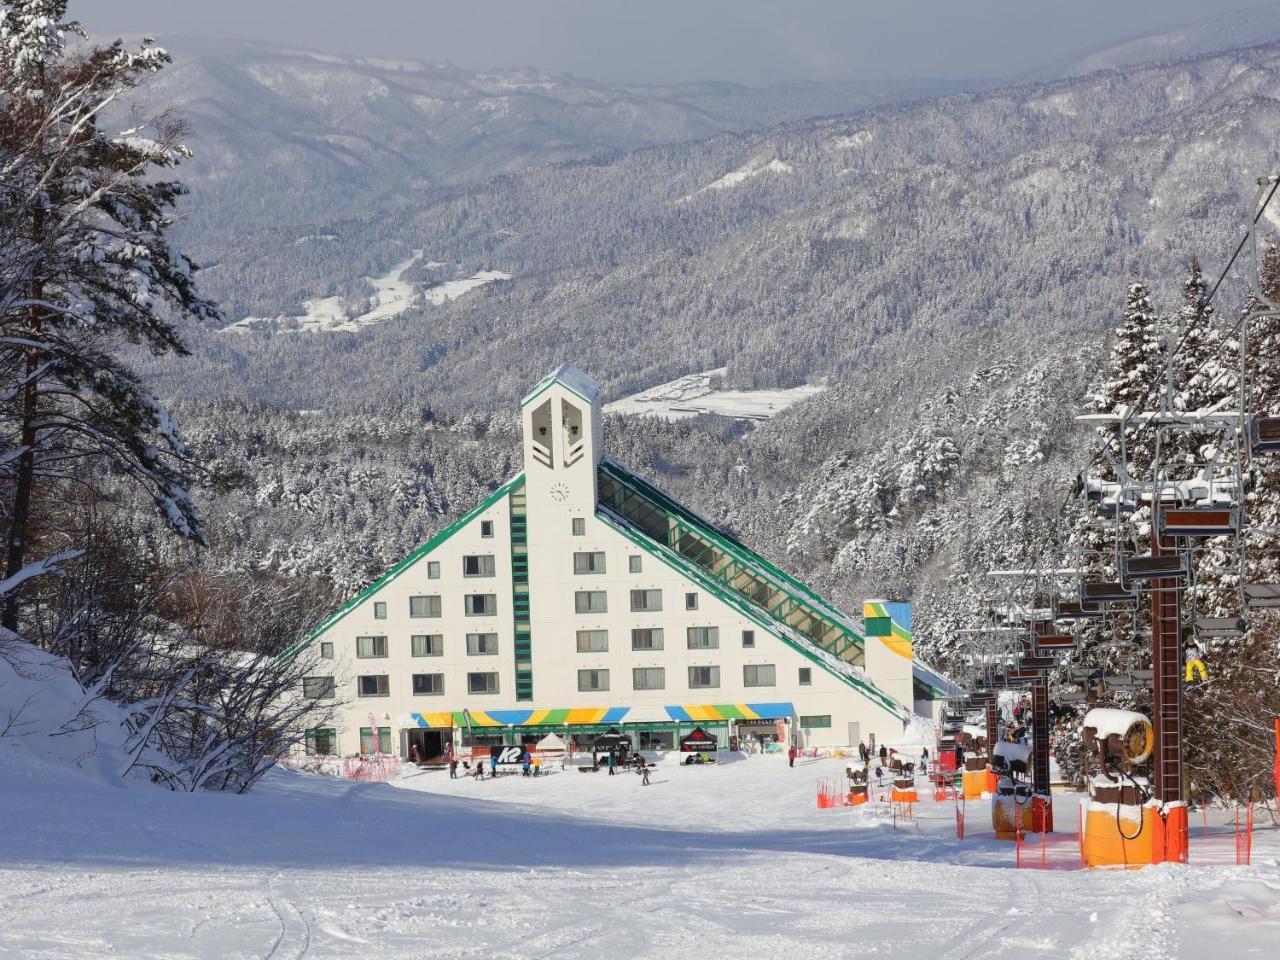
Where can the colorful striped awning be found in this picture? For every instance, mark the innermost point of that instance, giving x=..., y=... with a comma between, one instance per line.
x=730, y=711
x=518, y=718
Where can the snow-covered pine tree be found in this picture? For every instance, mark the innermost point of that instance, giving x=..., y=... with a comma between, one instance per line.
x=85, y=269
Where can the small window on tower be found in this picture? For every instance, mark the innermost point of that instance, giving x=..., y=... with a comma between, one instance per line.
x=579, y=526
x=691, y=601
x=486, y=528
x=634, y=564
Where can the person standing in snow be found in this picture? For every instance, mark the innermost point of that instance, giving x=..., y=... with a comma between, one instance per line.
x=493, y=765
x=863, y=753
x=610, y=762
x=644, y=774
x=791, y=755
x=959, y=756
x=453, y=768
x=884, y=755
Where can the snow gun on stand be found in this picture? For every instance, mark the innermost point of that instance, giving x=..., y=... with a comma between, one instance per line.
x=904, y=782
x=857, y=787
x=1011, y=808
x=1123, y=822
x=977, y=777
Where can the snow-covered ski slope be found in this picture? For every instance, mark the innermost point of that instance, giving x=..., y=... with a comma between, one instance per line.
x=693, y=394
x=730, y=861
x=392, y=296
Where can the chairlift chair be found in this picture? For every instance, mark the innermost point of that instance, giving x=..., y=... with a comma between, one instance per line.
x=1220, y=626
x=1106, y=593
x=1262, y=596
x=1171, y=566
x=1074, y=610
x=1199, y=521
x=1264, y=434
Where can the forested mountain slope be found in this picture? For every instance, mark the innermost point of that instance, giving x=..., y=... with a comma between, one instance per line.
x=814, y=248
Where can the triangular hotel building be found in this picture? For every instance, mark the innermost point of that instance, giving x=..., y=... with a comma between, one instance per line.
x=577, y=597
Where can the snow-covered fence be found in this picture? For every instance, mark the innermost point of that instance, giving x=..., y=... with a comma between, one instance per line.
x=374, y=767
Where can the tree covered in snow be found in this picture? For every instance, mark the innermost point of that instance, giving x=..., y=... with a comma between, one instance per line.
x=86, y=271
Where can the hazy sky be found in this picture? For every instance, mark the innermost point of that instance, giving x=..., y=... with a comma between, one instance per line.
x=749, y=41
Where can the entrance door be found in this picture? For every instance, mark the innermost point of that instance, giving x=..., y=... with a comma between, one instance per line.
x=855, y=733
x=430, y=743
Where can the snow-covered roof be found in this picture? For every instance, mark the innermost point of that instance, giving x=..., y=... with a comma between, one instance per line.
x=581, y=383
x=929, y=676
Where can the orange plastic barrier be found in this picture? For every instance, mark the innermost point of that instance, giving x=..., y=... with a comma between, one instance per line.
x=976, y=783
x=1009, y=818
x=1125, y=842
x=905, y=795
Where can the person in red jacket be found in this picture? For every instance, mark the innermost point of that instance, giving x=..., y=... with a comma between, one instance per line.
x=791, y=755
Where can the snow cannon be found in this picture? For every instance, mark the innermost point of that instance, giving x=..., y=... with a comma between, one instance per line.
x=904, y=782
x=1011, y=807
x=1123, y=823
x=976, y=780
x=857, y=787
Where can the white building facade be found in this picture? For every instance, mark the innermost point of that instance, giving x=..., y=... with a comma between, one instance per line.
x=577, y=598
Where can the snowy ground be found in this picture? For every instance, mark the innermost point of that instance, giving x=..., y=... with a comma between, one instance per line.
x=691, y=395
x=392, y=296
x=726, y=861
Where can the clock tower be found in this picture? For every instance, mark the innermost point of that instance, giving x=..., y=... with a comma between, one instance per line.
x=560, y=419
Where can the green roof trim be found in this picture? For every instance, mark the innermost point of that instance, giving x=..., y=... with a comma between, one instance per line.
x=728, y=542
x=691, y=571
x=333, y=618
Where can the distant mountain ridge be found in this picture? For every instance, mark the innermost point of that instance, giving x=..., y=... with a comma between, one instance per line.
x=295, y=136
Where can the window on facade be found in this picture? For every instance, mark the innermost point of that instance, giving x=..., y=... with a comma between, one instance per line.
x=326, y=649
x=426, y=645
x=321, y=741
x=486, y=528
x=648, y=678
x=806, y=676
x=646, y=600
x=433, y=569
x=691, y=601
x=481, y=605
x=748, y=638
x=482, y=644
x=373, y=685
x=591, y=601
x=649, y=638
x=584, y=562
x=701, y=677
x=318, y=688
x=384, y=741
x=758, y=675
x=579, y=526
x=593, y=680
x=428, y=684
x=424, y=606
x=482, y=683
x=704, y=638
x=634, y=564
x=379, y=610
x=593, y=641
x=480, y=565
x=816, y=721
x=368, y=648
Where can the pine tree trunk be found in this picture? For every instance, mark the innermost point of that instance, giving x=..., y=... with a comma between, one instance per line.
x=24, y=481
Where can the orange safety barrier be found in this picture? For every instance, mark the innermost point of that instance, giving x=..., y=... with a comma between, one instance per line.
x=1009, y=817
x=976, y=783
x=1042, y=813
x=1176, y=833
x=1244, y=838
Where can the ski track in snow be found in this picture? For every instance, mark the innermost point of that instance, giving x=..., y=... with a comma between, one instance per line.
x=732, y=860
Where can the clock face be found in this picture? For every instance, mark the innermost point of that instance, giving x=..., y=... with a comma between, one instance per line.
x=560, y=492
